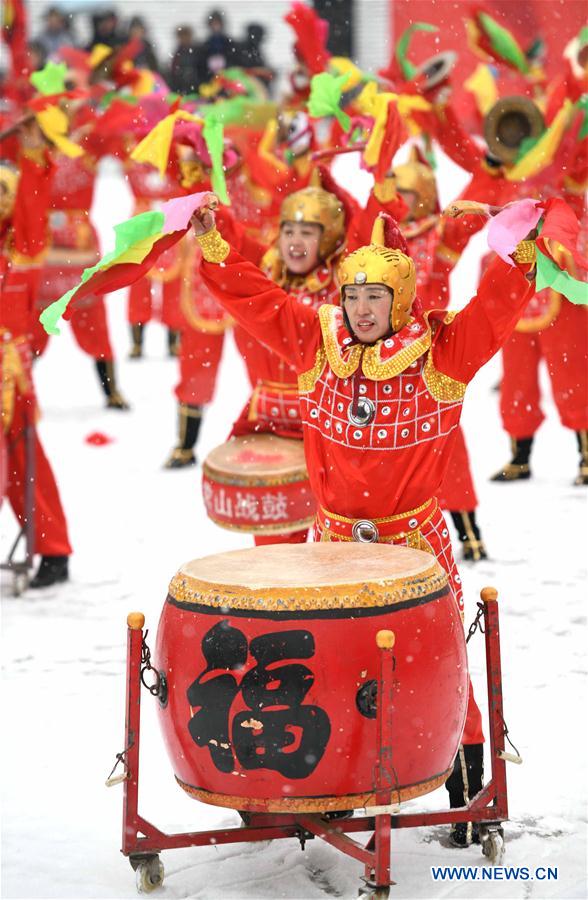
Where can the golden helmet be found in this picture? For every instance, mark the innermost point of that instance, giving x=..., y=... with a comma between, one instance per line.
x=8, y=187
x=315, y=205
x=377, y=264
x=418, y=178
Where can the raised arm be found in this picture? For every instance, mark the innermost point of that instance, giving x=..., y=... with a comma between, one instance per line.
x=260, y=306
x=482, y=327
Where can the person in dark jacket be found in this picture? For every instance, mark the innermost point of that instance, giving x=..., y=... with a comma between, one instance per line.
x=251, y=56
x=106, y=30
x=184, y=74
x=146, y=59
x=219, y=51
x=56, y=33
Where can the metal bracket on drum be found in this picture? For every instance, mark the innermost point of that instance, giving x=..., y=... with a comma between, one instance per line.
x=143, y=841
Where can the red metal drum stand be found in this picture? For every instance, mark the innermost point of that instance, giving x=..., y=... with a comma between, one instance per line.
x=142, y=842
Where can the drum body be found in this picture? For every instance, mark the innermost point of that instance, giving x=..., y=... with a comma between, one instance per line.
x=271, y=664
x=258, y=483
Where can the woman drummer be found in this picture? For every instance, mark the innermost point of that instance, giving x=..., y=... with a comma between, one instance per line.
x=303, y=261
x=381, y=388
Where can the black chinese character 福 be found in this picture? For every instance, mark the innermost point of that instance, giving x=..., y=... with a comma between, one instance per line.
x=277, y=731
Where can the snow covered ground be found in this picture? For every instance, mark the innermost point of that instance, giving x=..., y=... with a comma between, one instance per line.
x=133, y=524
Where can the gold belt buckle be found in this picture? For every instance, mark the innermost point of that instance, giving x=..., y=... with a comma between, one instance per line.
x=365, y=531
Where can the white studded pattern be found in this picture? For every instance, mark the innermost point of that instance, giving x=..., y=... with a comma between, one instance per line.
x=406, y=414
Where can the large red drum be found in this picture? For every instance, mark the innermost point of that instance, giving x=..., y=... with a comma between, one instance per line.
x=258, y=483
x=271, y=664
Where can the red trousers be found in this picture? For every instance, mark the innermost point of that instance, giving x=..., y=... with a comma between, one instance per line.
x=457, y=492
x=200, y=355
x=564, y=346
x=141, y=302
x=90, y=328
x=51, y=538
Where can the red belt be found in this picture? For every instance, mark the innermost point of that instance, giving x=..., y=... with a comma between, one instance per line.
x=364, y=530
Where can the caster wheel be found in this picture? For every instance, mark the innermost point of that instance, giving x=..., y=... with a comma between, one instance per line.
x=367, y=893
x=149, y=875
x=493, y=845
x=19, y=584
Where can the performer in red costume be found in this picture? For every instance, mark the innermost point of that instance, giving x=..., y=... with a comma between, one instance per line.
x=149, y=188
x=415, y=183
x=203, y=321
x=382, y=384
x=556, y=331
x=550, y=328
x=24, y=199
x=303, y=261
x=74, y=246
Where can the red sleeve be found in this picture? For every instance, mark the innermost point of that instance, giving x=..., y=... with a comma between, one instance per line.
x=447, y=129
x=265, y=310
x=238, y=236
x=482, y=327
x=31, y=205
x=455, y=234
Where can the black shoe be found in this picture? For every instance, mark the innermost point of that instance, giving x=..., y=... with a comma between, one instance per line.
x=52, y=570
x=180, y=459
x=117, y=401
x=518, y=468
x=463, y=834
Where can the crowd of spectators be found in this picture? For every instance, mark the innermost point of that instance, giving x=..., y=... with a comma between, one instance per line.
x=193, y=61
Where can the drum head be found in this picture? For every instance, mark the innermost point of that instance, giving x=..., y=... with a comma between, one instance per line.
x=257, y=456
x=509, y=122
x=300, y=567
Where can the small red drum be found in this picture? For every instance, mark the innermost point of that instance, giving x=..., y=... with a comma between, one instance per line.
x=259, y=484
x=271, y=666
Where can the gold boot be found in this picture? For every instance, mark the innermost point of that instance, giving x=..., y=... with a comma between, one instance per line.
x=518, y=468
x=137, y=347
x=190, y=419
x=114, y=399
x=469, y=535
x=582, y=476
